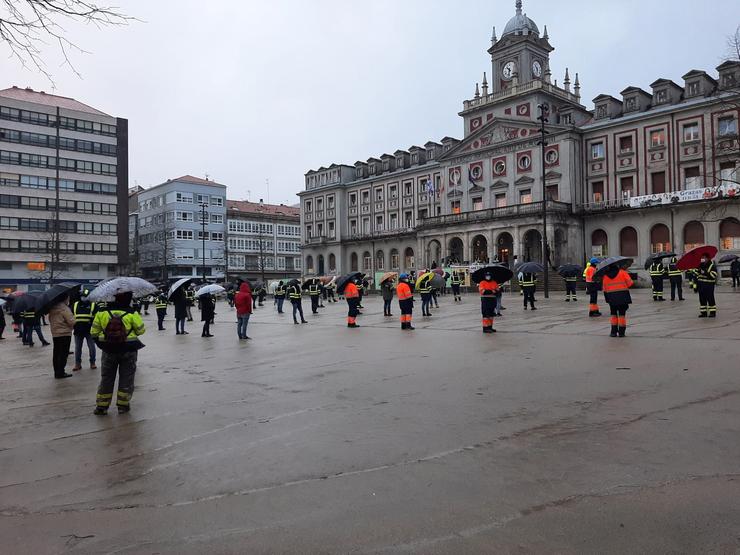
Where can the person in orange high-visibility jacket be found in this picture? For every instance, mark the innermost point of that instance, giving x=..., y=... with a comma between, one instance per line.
x=352, y=294
x=592, y=288
x=405, y=301
x=488, y=288
x=616, y=284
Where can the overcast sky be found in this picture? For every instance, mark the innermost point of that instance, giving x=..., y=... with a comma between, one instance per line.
x=253, y=90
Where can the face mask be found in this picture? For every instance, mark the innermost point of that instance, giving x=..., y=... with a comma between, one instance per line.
x=488, y=277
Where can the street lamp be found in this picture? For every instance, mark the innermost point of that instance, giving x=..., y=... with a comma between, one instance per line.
x=542, y=118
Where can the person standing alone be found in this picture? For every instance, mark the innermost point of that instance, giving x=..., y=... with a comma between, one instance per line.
x=62, y=324
x=405, y=301
x=735, y=272
x=181, y=311
x=676, y=279
x=161, y=306
x=243, y=304
x=706, y=278
x=352, y=294
x=280, y=296
x=528, y=283
x=386, y=290
x=294, y=294
x=592, y=288
x=488, y=289
x=616, y=283
x=84, y=312
x=657, y=272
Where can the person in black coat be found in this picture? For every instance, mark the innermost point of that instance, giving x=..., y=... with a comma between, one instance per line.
x=181, y=310
x=207, y=310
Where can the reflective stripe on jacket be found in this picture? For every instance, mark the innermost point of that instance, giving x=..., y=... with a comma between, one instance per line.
x=708, y=274
x=622, y=282
x=351, y=291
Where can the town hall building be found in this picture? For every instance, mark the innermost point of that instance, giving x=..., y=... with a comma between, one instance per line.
x=649, y=171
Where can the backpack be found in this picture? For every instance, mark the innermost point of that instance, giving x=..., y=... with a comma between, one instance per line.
x=115, y=331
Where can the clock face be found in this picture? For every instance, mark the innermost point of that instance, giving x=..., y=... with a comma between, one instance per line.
x=508, y=71
x=536, y=69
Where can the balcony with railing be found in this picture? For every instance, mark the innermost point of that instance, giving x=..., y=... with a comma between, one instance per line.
x=518, y=89
x=492, y=214
x=380, y=234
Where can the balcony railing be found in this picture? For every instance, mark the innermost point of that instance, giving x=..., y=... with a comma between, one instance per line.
x=514, y=211
x=383, y=234
x=517, y=89
x=316, y=239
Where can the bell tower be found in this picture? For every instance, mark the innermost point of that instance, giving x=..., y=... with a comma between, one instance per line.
x=521, y=55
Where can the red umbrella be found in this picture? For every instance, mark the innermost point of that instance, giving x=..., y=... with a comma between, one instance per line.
x=439, y=271
x=691, y=259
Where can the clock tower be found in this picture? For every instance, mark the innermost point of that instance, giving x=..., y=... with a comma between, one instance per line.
x=520, y=55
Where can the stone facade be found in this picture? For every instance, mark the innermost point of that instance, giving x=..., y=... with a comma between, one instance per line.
x=650, y=171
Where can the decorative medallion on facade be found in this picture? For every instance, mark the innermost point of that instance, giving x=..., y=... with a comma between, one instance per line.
x=523, y=110
x=454, y=176
x=476, y=171
x=552, y=156
x=498, y=166
x=524, y=161
x=475, y=124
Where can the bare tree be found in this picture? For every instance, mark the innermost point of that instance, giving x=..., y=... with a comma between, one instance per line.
x=27, y=26
x=54, y=260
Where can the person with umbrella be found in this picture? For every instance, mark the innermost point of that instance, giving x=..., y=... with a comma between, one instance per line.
x=117, y=330
x=676, y=279
x=62, y=324
x=180, y=300
x=657, y=272
x=243, y=304
x=207, y=312
x=405, y=301
x=386, y=291
x=569, y=273
x=528, y=283
x=280, y=296
x=424, y=286
x=592, y=288
x=314, y=292
x=616, y=283
x=706, y=278
x=160, y=304
x=352, y=293
x=456, y=280
x=31, y=321
x=488, y=288
x=294, y=294
x=331, y=288
x=83, y=311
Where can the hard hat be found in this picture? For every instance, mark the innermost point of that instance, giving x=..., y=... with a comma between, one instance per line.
x=594, y=260
x=403, y=276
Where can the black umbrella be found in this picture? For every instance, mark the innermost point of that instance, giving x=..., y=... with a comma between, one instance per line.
x=657, y=256
x=604, y=265
x=500, y=274
x=570, y=270
x=728, y=258
x=308, y=283
x=54, y=295
x=530, y=268
x=292, y=282
x=29, y=301
x=344, y=280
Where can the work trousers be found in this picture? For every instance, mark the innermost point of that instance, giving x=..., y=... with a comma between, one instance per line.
x=314, y=303
x=528, y=295
x=123, y=365
x=657, y=288
x=488, y=311
x=707, y=304
x=676, y=287
x=618, y=319
x=570, y=290
x=161, y=313
x=456, y=290
x=79, y=340
x=736, y=280
x=353, y=310
x=297, y=308
x=60, y=354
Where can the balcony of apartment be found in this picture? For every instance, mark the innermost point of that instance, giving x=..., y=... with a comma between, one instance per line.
x=356, y=235
x=308, y=216
x=317, y=240
x=519, y=89
x=492, y=214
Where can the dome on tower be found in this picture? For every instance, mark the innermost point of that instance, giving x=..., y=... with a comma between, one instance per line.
x=520, y=24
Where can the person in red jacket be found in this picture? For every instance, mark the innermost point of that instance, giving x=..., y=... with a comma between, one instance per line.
x=352, y=294
x=243, y=304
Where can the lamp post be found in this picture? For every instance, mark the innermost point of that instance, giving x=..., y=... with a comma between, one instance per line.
x=203, y=224
x=542, y=118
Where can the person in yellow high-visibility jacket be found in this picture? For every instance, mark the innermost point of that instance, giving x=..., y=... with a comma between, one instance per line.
x=592, y=288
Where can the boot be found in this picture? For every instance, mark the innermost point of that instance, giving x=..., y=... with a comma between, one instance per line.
x=404, y=325
x=622, y=330
x=100, y=411
x=614, y=331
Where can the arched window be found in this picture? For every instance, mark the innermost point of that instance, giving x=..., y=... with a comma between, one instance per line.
x=628, y=242
x=380, y=261
x=366, y=261
x=309, y=264
x=660, y=239
x=353, y=265
x=395, y=260
x=729, y=234
x=599, y=243
x=332, y=263
x=693, y=235
x=409, y=262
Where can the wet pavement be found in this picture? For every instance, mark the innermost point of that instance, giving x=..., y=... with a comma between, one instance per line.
x=548, y=436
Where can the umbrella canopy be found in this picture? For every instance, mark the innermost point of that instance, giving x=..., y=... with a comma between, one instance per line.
x=386, y=276
x=326, y=280
x=210, y=289
x=657, y=256
x=728, y=258
x=424, y=277
x=177, y=285
x=530, y=268
x=309, y=282
x=691, y=259
x=344, y=280
x=604, y=265
x=438, y=281
x=54, y=295
x=28, y=301
x=570, y=270
x=107, y=290
x=500, y=274
x=292, y=282
x=439, y=271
